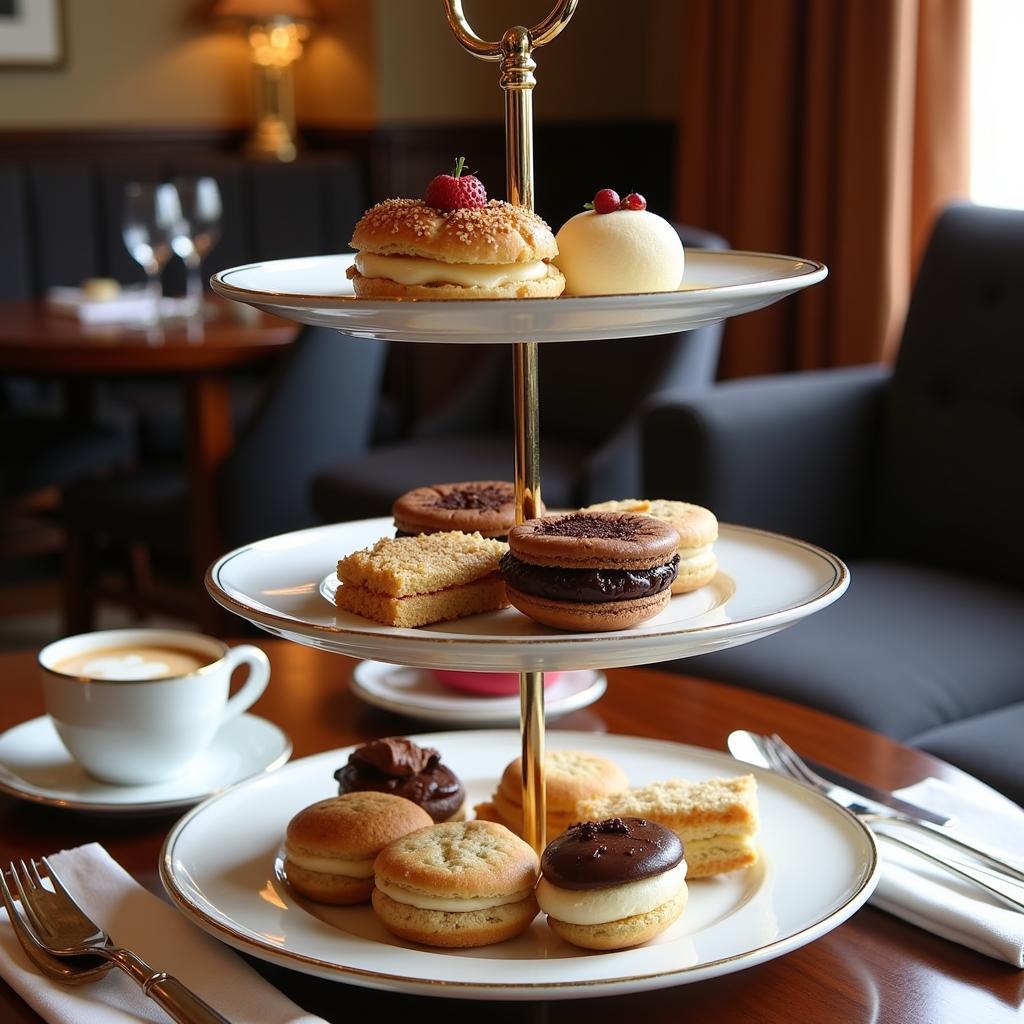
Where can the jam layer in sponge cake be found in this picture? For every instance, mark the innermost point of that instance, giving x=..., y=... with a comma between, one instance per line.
x=412, y=581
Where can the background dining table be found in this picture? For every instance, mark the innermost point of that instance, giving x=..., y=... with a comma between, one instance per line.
x=873, y=967
x=38, y=341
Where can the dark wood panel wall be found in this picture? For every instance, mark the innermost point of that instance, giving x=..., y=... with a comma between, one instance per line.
x=573, y=159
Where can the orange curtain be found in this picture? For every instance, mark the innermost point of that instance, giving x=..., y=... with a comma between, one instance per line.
x=831, y=129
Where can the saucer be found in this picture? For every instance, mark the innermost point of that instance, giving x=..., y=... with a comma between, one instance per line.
x=416, y=693
x=34, y=765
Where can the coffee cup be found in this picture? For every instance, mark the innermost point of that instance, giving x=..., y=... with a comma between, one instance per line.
x=137, y=706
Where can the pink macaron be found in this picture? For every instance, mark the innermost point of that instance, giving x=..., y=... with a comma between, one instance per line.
x=488, y=684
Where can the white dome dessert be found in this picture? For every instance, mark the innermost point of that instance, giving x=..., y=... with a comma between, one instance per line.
x=624, y=252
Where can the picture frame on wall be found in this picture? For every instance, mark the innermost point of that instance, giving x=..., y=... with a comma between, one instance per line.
x=31, y=34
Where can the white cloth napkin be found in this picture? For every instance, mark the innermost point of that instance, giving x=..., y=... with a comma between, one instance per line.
x=933, y=899
x=130, y=305
x=161, y=936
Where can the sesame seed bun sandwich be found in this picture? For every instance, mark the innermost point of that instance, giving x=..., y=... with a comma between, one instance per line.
x=454, y=244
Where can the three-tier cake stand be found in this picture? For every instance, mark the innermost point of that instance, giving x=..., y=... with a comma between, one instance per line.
x=286, y=584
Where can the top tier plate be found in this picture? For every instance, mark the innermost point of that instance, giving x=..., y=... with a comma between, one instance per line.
x=716, y=285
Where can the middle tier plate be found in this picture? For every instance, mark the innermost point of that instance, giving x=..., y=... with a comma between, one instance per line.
x=286, y=584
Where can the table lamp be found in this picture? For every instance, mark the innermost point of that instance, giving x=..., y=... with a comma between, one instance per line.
x=277, y=29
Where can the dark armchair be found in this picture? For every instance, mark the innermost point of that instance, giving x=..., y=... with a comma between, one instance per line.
x=915, y=476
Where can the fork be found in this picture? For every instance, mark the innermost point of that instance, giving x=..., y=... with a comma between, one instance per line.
x=785, y=760
x=64, y=930
x=71, y=972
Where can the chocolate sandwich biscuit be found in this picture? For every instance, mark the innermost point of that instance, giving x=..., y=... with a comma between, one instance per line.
x=614, y=883
x=591, y=571
x=487, y=507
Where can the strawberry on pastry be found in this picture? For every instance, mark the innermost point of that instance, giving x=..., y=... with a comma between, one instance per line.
x=456, y=191
x=454, y=244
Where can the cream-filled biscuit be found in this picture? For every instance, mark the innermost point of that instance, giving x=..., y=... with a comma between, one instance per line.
x=331, y=845
x=456, y=884
x=570, y=776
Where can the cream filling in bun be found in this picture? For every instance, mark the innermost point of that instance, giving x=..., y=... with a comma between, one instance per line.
x=599, y=906
x=331, y=865
x=458, y=904
x=415, y=270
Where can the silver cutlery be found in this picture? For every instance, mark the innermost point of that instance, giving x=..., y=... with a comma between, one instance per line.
x=774, y=753
x=63, y=929
x=76, y=971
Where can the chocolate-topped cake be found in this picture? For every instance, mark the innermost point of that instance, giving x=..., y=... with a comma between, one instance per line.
x=397, y=765
x=487, y=507
x=614, y=883
x=591, y=571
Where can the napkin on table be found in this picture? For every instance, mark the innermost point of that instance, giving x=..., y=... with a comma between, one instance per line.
x=165, y=939
x=937, y=901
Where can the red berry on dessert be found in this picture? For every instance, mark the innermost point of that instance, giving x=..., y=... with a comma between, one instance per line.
x=456, y=191
x=605, y=201
x=634, y=201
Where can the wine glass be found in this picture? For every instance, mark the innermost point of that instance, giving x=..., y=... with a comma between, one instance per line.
x=151, y=212
x=197, y=232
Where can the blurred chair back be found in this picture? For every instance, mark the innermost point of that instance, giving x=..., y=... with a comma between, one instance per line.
x=319, y=407
x=950, y=489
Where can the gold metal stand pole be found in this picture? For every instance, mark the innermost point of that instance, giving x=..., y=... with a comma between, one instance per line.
x=514, y=51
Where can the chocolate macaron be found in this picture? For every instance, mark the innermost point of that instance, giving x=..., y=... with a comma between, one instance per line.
x=487, y=507
x=398, y=766
x=612, y=884
x=591, y=571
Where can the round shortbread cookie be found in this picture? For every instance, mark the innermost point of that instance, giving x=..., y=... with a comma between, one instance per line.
x=569, y=777
x=459, y=859
x=625, y=933
x=579, y=617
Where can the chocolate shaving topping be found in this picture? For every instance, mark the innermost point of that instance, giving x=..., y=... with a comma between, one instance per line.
x=476, y=498
x=582, y=524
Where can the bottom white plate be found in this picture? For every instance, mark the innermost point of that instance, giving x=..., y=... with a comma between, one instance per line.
x=36, y=766
x=417, y=693
x=818, y=865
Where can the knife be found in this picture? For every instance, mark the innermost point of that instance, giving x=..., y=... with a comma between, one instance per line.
x=872, y=795
x=858, y=796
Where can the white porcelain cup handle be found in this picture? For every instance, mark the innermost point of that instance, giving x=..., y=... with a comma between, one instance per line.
x=259, y=676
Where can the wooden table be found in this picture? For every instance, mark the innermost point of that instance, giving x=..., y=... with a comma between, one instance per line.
x=38, y=342
x=872, y=968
